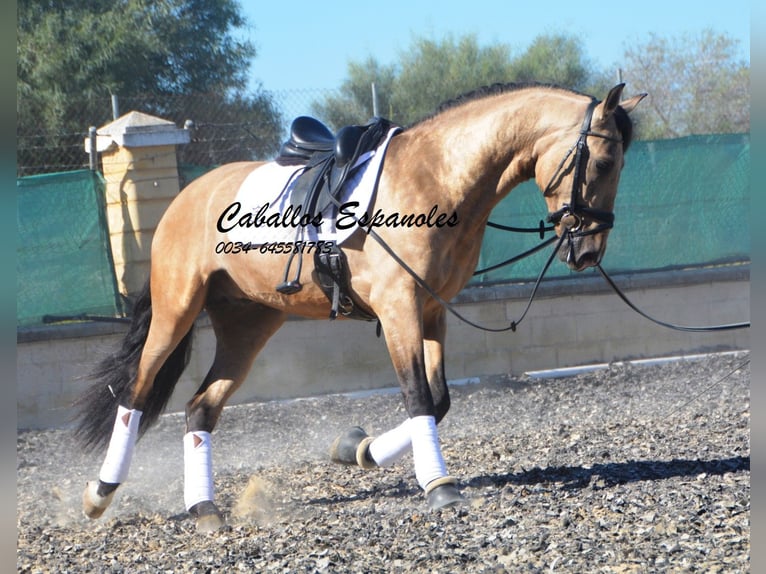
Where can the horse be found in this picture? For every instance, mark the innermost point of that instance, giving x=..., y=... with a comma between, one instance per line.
x=460, y=161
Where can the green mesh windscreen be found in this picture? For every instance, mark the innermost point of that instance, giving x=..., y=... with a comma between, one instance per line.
x=681, y=202
x=63, y=264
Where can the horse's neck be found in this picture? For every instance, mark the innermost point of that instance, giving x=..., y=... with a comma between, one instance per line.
x=484, y=149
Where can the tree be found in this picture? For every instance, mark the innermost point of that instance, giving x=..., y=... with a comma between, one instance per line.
x=353, y=105
x=72, y=54
x=430, y=72
x=555, y=59
x=433, y=72
x=696, y=85
x=225, y=127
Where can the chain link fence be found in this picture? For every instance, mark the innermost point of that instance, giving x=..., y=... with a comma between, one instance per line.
x=682, y=201
x=224, y=128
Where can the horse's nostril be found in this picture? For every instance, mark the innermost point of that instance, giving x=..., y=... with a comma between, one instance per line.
x=588, y=259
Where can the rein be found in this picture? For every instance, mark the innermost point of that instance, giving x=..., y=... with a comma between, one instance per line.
x=575, y=209
x=512, y=326
x=605, y=221
x=450, y=307
x=712, y=328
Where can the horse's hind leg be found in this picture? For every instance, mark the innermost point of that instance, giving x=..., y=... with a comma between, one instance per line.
x=169, y=324
x=241, y=332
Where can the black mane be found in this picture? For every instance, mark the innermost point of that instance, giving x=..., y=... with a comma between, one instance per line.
x=624, y=123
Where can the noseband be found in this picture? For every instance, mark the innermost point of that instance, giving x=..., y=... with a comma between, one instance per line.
x=574, y=208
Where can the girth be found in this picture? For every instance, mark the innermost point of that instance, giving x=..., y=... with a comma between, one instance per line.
x=331, y=273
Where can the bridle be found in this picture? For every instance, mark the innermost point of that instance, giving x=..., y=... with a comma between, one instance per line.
x=574, y=208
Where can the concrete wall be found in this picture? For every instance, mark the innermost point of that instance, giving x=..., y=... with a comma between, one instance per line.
x=572, y=322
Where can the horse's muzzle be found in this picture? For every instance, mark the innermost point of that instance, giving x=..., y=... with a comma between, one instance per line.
x=582, y=252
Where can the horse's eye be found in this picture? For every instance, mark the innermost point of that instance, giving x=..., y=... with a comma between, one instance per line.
x=604, y=165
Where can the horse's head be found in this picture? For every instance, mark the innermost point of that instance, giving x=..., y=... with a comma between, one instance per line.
x=578, y=168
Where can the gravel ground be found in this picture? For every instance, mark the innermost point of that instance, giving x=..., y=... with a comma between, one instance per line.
x=627, y=469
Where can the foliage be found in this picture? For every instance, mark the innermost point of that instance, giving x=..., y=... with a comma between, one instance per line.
x=554, y=59
x=430, y=72
x=76, y=53
x=225, y=128
x=353, y=103
x=695, y=83
x=157, y=55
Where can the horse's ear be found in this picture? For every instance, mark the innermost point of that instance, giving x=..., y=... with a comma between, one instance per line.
x=629, y=105
x=612, y=100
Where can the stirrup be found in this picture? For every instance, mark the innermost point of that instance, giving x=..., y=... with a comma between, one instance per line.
x=289, y=287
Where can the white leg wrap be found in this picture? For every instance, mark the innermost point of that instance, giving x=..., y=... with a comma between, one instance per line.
x=429, y=462
x=198, y=468
x=121, y=446
x=392, y=445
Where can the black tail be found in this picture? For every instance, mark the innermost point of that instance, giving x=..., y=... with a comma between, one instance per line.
x=115, y=376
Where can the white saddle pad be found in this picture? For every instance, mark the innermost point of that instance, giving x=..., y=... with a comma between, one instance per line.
x=263, y=213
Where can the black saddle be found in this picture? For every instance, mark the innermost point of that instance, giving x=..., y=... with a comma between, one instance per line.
x=312, y=142
x=307, y=136
x=328, y=160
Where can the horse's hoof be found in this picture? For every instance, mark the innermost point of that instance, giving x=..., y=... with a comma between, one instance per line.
x=444, y=494
x=352, y=448
x=209, y=518
x=209, y=523
x=93, y=504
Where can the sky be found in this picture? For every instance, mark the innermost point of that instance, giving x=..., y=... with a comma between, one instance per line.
x=308, y=44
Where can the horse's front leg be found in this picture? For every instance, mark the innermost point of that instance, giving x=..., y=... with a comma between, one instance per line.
x=418, y=358
x=434, y=335
x=417, y=353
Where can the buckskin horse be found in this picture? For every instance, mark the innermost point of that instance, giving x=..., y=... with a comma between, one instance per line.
x=450, y=168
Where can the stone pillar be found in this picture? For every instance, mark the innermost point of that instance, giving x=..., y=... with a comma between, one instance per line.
x=138, y=155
